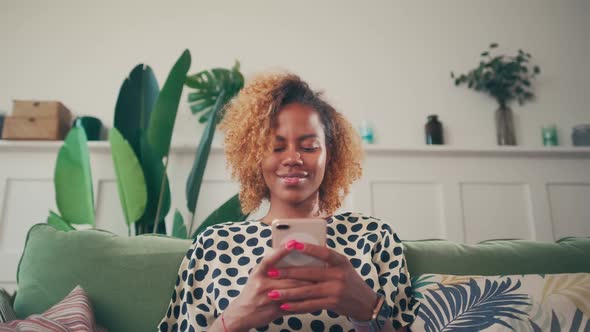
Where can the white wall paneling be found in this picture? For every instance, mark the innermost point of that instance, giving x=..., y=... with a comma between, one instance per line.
x=570, y=208
x=464, y=195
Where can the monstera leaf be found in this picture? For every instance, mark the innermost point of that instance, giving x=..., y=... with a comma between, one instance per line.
x=164, y=114
x=209, y=85
x=130, y=178
x=195, y=178
x=469, y=308
x=73, y=180
x=214, y=89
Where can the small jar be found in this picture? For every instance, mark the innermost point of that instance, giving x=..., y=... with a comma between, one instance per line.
x=366, y=131
x=581, y=135
x=434, y=130
x=549, y=135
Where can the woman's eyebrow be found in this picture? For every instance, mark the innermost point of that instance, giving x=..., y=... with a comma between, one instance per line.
x=300, y=138
x=304, y=137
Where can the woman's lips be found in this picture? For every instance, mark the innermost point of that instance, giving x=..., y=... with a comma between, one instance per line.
x=292, y=178
x=292, y=181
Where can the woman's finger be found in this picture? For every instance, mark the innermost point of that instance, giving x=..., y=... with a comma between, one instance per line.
x=322, y=253
x=272, y=259
x=301, y=307
x=307, y=292
x=309, y=274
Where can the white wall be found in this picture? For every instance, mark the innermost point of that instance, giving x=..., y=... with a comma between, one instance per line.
x=387, y=61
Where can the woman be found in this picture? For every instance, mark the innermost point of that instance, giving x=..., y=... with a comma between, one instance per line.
x=286, y=144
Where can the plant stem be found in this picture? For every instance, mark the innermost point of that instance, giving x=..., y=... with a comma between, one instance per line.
x=190, y=229
x=161, y=195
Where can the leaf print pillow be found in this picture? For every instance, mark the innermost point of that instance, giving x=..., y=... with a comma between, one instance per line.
x=533, y=302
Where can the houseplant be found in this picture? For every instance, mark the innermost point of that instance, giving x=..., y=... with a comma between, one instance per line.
x=140, y=143
x=504, y=78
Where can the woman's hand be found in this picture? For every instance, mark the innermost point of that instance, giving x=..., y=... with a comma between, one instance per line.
x=254, y=307
x=337, y=287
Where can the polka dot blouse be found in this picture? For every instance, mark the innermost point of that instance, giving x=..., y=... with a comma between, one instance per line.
x=217, y=265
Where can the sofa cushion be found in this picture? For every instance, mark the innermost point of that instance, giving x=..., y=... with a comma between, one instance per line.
x=498, y=257
x=129, y=280
x=548, y=302
x=73, y=313
x=6, y=311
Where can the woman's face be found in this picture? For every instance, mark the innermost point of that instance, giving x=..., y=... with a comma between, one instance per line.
x=294, y=169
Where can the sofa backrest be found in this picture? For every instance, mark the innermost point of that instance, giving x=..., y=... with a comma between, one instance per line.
x=498, y=257
x=130, y=280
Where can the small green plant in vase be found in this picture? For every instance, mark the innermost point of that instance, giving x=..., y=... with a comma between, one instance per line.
x=505, y=78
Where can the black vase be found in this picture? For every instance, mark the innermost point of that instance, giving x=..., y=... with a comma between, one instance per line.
x=434, y=130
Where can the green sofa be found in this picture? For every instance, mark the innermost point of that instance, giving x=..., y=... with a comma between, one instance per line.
x=130, y=280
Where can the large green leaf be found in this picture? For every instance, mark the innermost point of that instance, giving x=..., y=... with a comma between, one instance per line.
x=195, y=178
x=164, y=114
x=130, y=178
x=228, y=211
x=209, y=85
x=73, y=180
x=153, y=169
x=179, y=228
x=58, y=223
x=136, y=101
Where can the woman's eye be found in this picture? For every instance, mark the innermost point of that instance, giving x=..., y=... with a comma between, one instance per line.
x=278, y=149
x=310, y=149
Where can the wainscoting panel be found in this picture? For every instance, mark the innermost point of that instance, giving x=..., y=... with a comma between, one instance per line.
x=570, y=208
x=496, y=211
x=109, y=214
x=414, y=208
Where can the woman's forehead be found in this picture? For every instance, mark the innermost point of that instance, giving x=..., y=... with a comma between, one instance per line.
x=298, y=118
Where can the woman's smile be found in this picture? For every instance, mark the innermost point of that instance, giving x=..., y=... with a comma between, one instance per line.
x=293, y=179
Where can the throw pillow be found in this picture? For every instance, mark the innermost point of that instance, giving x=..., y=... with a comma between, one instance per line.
x=532, y=302
x=73, y=313
x=6, y=312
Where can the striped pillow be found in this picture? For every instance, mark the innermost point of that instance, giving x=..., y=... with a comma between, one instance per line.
x=6, y=312
x=73, y=313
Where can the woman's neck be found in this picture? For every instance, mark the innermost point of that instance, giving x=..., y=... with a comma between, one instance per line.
x=279, y=209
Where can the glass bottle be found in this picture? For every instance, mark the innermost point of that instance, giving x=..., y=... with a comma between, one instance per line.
x=434, y=130
x=366, y=131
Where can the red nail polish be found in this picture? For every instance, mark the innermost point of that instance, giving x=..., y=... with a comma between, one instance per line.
x=291, y=244
x=285, y=306
x=273, y=273
x=274, y=294
x=299, y=246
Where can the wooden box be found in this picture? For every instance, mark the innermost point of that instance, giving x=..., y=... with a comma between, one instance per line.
x=37, y=120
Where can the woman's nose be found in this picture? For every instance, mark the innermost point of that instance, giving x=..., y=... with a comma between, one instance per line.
x=292, y=157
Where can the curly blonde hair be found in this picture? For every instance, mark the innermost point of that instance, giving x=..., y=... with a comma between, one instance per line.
x=248, y=126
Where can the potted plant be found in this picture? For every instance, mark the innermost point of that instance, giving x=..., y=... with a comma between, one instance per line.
x=505, y=78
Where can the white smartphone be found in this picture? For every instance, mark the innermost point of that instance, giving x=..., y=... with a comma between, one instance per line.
x=303, y=230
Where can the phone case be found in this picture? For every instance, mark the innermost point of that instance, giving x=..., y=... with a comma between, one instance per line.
x=303, y=230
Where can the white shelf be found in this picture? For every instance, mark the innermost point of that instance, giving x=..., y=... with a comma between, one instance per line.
x=439, y=150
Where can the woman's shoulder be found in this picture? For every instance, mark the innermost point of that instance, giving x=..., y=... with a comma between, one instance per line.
x=357, y=221
x=231, y=228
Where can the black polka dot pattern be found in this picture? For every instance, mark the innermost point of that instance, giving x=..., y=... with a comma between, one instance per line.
x=216, y=267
